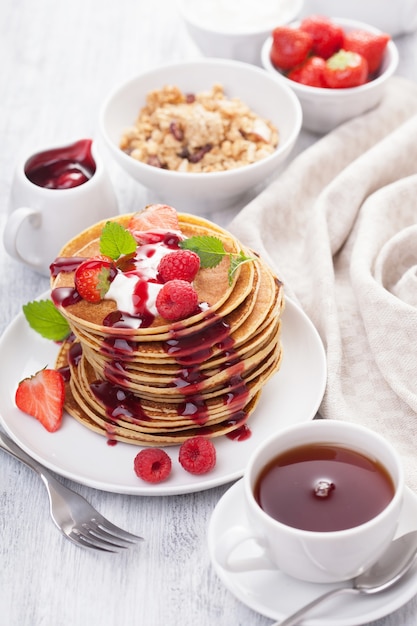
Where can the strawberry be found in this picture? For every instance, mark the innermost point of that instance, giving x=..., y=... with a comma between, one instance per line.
x=154, y=217
x=181, y=264
x=42, y=396
x=327, y=36
x=152, y=465
x=176, y=300
x=345, y=69
x=197, y=455
x=290, y=47
x=370, y=45
x=93, y=277
x=310, y=73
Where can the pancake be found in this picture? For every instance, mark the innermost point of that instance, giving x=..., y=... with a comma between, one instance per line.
x=163, y=382
x=211, y=284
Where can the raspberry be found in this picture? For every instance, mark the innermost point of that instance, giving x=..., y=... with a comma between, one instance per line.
x=152, y=465
x=181, y=264
x=197, y=455
x=177, y=299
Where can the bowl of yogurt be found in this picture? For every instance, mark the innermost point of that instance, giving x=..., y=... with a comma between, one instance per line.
x=236, y=29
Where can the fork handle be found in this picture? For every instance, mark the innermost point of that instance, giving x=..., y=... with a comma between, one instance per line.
x=12, y=448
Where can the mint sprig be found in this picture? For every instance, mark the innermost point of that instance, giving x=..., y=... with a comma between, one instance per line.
x=46, y=320
x=211, y=251
x=116, y=241
x=235, y=261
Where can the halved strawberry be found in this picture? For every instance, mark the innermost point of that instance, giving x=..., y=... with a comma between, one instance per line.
x=370, y=45
x=345, y=69
x=327, y=36
x=310, y=73
x=290, y=47
x=42, y=396
x=93, y=277
x=154, y=217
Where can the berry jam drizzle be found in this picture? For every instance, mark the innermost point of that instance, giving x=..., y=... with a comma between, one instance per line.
x=140, y=302
x=65, y=264
x=65, y=373
x=190, y=350
x=194, y=349
x=119, y=403
x=62, y=168
x=115, y=372
x=241, y=433
x=65, y=296
x=118, y=347
x=74, y=354
x=73, y=358
x=197, y=347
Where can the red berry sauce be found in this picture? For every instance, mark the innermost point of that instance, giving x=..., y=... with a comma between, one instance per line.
x=62, y=168
x=65, y=264
x=65, y=296
x=119, y=402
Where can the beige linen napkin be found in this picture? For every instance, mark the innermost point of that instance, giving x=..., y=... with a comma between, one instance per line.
x=339, y=225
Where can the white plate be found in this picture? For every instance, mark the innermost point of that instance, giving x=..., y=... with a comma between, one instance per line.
x=293, y=395
x=275, y=595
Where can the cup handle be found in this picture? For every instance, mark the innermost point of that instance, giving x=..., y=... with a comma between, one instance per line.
x=14, y=223
x=231, y=540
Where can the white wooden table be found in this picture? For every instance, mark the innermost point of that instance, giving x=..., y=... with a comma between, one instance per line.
x=58, y=61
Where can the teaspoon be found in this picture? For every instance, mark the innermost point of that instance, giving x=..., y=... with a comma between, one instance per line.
x=388, y=570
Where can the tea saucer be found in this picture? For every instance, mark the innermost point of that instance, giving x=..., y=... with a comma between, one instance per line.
x=275, y=595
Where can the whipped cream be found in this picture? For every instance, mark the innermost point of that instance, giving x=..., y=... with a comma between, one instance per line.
x=123, y=289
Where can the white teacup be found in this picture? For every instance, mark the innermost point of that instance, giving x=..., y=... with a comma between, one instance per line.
x=41, y=220
x=319, y=556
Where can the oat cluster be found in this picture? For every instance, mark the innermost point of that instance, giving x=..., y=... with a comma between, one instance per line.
x=203, y=132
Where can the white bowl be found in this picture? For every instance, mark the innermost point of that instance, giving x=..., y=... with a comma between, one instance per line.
x=201, y=192
x=324, y=109
x=235, y=29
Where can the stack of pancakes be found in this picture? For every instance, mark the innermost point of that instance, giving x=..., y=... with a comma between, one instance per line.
x=170, y=381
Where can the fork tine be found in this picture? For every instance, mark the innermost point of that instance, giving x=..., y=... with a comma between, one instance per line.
x=83, y=537
x=119, y=533
x=103, y=535
x=84, y=541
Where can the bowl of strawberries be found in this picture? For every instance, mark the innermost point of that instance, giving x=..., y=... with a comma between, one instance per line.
x=338, y=68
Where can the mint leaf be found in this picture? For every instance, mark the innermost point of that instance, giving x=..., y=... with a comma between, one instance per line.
x=235, y=261
x=210, y=249
x=46, y=320
x=116, y=241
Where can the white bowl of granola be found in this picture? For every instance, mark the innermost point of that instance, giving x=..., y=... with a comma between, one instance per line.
x=201, y=134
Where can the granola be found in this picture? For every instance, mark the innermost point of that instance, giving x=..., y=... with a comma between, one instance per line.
x=203, y=132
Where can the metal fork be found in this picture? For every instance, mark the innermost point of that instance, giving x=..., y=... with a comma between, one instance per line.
x=72, y=514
